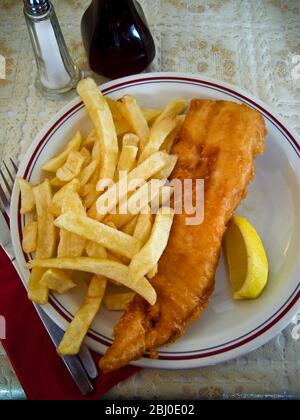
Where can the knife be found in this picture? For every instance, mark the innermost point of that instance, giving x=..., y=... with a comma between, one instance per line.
x=72, y=363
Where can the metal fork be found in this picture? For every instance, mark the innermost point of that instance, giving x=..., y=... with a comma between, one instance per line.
x=82, y=366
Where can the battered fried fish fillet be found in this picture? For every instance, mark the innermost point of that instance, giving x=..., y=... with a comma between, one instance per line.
x=218, y=143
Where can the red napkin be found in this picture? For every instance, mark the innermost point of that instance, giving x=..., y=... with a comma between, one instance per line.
x=40, y=370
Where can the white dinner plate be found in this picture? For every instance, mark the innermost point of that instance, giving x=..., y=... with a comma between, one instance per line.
x=227, y=328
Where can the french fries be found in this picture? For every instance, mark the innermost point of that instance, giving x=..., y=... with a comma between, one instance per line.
x=87, y=173
x=70, y=244
x=46, y=240
x=144, y=171
x=152, y=272
x=72, y=202
x=135, y=117
x=86, y=155
x=171, y=137
x=127, y=159
x=37, y=292
x=89, y=190
x=163, y=199
x=158, y=134
x=55, y=163
x=165, y=172
x=29, y=241
x=83, y=318
x=130, y=226
x=102, y=267
x=137, y=201
x=95, y=250
x=57, y=200
x=27, y=197
x=57, y=281
x=96, y=152
x=172, y=109
x=120, y=122
x=117, y=301
x=130, y=139
x=71, y=167
x=149, y=255
x=90, y=140
x=150, y=114
x=90, y=198
x=55, y=182
x=101, y=116
x=143, y=227
x=77, y=237
x=90, y=229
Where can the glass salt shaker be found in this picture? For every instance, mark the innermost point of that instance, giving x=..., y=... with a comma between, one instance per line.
x=56, y=71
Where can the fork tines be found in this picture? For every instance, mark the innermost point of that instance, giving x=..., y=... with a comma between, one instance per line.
x=8, y=174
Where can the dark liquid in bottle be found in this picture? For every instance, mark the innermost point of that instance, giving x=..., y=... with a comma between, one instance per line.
x=116, y=38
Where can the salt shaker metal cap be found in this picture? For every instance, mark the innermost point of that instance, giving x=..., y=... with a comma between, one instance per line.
x=56, y=71
x=36, y=7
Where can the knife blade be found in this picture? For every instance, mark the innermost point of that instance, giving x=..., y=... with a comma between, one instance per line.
x=5, y=238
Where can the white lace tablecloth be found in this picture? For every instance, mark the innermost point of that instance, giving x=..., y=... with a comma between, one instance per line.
x=250, y=43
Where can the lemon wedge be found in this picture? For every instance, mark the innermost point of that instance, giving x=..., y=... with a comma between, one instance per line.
x=247, y=260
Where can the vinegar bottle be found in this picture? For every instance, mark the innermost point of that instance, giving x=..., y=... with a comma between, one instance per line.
x=116, y=37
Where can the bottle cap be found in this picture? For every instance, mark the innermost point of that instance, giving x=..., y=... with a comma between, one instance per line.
x=36, y=7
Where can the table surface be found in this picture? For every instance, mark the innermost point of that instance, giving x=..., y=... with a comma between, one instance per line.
x=250, y=43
